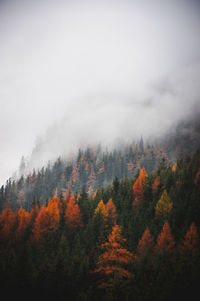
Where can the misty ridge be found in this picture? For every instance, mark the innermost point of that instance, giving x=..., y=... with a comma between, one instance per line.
x=180, y=139
x=94, y=72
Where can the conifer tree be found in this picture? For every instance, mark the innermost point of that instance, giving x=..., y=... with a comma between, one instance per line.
x=145, y=244
x=72, y=213
x=112, y=263
x=101, y=210
x=164, y=205
x=165, y=240
x=138, y=188
x=190, y=242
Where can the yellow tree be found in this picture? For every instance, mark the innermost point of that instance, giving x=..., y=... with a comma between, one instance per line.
x=112, y=263
x=164, y=205
x=101, y=210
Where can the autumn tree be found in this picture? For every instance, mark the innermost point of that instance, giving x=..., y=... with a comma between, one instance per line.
x=8, y=223
x=72, y=213
x=156, y=183
x=47, y=221
x=138, y=187
x=101, y=210
x=165, y=240
x=112, y=212
x=145, y=244
x=112, y=263
x=23, y=218
x=190, y=242
x=164, y=205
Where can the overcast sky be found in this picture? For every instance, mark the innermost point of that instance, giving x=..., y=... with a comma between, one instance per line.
x=76, y=72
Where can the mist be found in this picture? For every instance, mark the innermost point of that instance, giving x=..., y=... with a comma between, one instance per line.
x=74, y=73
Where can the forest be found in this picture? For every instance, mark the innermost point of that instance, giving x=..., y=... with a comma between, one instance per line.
x=136, y=238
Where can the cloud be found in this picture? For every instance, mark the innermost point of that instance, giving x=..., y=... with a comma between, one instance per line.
x=90, y=71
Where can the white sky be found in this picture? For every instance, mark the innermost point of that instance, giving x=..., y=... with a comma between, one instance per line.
x=90, y=71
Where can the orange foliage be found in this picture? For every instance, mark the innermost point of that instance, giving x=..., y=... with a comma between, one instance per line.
x=8, y=223
x=174, y=167
x=145, y=243
x=191, y=240
x=23, y=221
x=111, y=262
x=72, y=213
x=138, y=187
x=156, y=184
x=112, y=212
x=165, y=240
x=47, y=220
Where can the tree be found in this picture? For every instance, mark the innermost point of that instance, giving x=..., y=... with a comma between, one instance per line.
x=138, y=188
x=101, y=210
x=23, y=221
x=156, y=183
x=47, y=221
x=8, y=223
x=190, y=242
x=112, y=212
x=164, y=205
x=165, y=240
x=72, y=213
x=145, y=244
x=111, y=264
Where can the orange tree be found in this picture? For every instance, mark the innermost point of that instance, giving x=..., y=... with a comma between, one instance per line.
x=112, y=263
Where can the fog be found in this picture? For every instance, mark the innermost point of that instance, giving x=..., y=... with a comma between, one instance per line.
x=74, y=73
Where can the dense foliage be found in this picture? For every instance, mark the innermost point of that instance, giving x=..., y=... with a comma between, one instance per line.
x=105, y=247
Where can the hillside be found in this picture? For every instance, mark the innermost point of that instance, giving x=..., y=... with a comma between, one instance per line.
x=93, y=168
x=136, y=239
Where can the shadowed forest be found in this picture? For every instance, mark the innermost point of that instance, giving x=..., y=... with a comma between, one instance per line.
x=135, y=239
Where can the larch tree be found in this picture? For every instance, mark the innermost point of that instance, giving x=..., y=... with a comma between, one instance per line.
x=112, y=212
x=8, y=223
x=190, y=242
x=156, y=183
x=164, y=205
x=145, y=244
x=112, y=263
x=165, y=240
x=138, y=187
x=47, y=220
x=72, y=213
x=101, y=210
x=23, y=218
